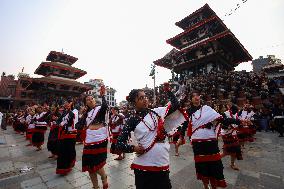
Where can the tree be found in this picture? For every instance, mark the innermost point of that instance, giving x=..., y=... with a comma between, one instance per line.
x=23, y=75
x=11, y=76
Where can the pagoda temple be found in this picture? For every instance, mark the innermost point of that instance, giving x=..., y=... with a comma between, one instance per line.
x=205, y=44
x=59, y=79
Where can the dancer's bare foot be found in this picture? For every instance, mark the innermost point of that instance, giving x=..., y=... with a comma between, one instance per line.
x=234, y=167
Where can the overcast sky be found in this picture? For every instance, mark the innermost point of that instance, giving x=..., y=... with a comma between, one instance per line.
x=117, y=40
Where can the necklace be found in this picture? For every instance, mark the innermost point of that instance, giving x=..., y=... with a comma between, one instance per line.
x=90, y=117
x=199, y=114
x=114, y=118
x=149, y=126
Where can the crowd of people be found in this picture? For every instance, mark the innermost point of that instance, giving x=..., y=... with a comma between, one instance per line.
x=203, y=109
x=240, y=88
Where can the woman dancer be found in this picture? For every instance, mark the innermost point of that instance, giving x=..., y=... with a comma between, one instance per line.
x=150, y=126
x=95, y=145
x=229, y=135
x=204, y=137
x=66, y=140
x=30, y=122
x=52, y=145
x=40, y=128
x=174, y=139
x=116, y=125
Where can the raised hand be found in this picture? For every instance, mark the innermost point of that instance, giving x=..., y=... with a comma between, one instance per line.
x=166, y=86
x=102, y=90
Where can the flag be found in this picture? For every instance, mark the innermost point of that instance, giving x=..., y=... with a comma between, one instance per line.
x=152, y=73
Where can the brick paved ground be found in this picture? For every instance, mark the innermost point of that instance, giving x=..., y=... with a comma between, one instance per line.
x=262, y=167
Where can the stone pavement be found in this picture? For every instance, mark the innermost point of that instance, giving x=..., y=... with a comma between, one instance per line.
x=262, y=167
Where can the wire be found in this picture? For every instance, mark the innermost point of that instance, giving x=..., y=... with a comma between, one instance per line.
x=270, y=46
x=234, y=10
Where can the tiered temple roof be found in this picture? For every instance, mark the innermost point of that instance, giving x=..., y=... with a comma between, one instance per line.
x=59, y=75
x=205, y=39
x=54, y=56
x=59, y=69
x=204, y=12
x=59, y=81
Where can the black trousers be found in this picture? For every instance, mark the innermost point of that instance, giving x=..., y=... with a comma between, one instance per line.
x=279, y=122
x=152, y=179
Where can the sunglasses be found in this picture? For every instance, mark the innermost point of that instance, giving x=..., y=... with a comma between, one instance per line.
x=142, y=97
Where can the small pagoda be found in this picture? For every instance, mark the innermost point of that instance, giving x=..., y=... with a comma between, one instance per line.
x=59, y=78
x=205, y=44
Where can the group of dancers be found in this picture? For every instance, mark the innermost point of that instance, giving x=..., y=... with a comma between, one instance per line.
x=95, y=126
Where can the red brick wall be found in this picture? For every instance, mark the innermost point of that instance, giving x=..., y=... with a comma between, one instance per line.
x=7, y=86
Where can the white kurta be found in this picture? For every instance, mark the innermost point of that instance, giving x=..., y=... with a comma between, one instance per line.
x=40, y=123
x=157, y=158
x=246, y=115
x=201, y=117
x=232, y=129
x=76, y=114
x=29, y=119
x=114, y=119
x=65, y=120
x=94, y=136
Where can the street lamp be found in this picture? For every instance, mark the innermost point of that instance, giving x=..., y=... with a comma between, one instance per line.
x=153, y=74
